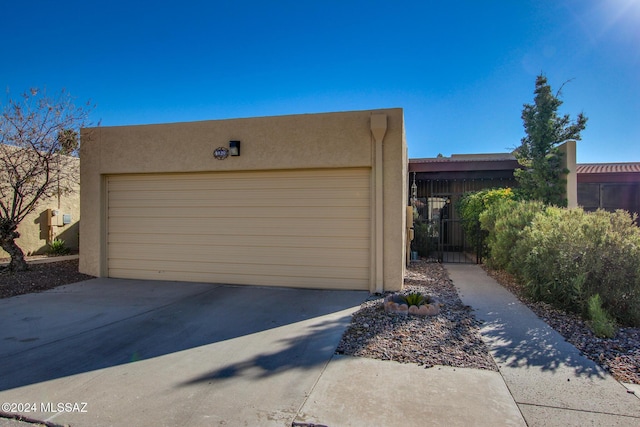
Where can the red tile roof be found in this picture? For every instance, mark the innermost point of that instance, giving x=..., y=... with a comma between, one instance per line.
x=608, y=168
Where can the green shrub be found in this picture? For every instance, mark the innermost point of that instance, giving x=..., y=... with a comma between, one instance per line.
x=57, y=247
x=614, y=264
x=424, y=240
x=471, y=206
x=504, y=222
x=601, y=322
x=565, y=256
x=551, y=253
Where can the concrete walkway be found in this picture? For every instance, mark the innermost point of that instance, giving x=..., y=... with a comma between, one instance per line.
x=552, y=383
x=360, y=392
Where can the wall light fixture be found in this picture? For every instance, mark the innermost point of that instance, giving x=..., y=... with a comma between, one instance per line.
x=234, y=148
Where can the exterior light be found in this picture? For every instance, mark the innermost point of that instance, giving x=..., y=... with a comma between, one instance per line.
x=234, y=148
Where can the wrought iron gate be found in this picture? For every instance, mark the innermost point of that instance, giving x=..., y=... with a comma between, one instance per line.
x=459, y=242
x=439, y=232
x=448, y=240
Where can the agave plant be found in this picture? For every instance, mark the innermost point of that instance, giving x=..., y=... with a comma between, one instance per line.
x=414, y=298
x=58, y=247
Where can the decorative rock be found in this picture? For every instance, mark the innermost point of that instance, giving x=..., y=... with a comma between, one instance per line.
x=394, y=304
x=403, y=309
x=432, y=309
x=423, y=311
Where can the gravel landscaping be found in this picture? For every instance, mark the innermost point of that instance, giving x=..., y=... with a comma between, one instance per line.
x=452, y=338
x=39, y=277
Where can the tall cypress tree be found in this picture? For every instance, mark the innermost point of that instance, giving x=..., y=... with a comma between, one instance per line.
x=541, y=175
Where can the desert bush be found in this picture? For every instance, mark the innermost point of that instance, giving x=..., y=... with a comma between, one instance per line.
x=504, y=222
x=549, y=257
x=613, y=265
x=565, y=256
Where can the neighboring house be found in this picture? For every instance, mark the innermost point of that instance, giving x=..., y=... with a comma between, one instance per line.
x=609, y=186
x=54, y=218
x=313, y=200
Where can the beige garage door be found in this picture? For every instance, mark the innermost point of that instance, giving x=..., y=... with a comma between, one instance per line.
x=306, y=228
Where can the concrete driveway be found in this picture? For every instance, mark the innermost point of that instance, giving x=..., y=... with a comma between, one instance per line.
x=128, y=352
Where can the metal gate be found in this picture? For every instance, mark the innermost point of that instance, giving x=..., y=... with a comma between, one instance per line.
x=459, y=241
x=448, y=240
x=440, y=234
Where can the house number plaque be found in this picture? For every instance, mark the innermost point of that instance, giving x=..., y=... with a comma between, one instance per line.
x=221, y=153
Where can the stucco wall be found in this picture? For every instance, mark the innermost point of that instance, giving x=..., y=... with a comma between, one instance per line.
x=328, y=140
x=568, y=148
x=34, y=229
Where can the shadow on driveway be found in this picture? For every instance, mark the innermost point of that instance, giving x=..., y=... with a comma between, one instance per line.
x=299, y=352
x=104, y=323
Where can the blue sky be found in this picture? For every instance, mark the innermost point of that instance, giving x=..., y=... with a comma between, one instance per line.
x=460, y=70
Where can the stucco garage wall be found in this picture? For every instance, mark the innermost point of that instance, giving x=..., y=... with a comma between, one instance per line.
x=297, y=142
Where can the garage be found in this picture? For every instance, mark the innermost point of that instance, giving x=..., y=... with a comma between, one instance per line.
x=306, y=201
x=303, y=228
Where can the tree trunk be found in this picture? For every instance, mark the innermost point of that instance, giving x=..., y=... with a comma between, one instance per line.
x=17, y=256
x=8, y=234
